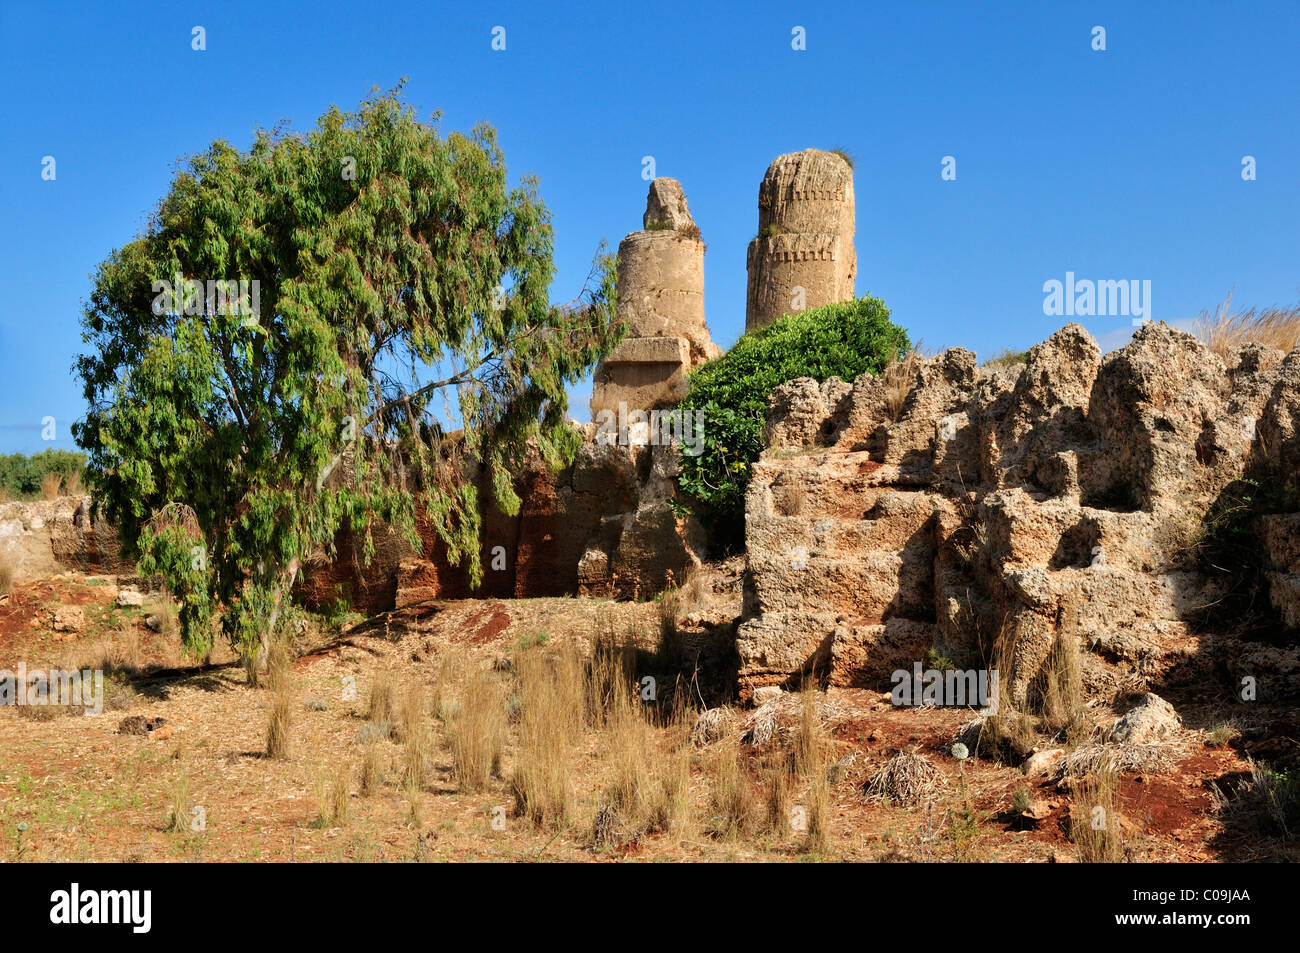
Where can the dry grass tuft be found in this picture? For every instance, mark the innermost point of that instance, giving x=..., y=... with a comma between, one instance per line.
x=1225, y=331
x=50, y=485
x=1268, y=804
x=477, y=733
x=383, y=700
x=899, y=377
x=676, y=602
x=332, y=790
x=671, y=808
x=1095, y=818
x=372, y=769
x=735, y=808
x=810, y=749
x=280, y=682
x=178, y=819
x=1062, y=704
x=907, y=778
x=812, y=760
x=550, y=720
x=776, y=815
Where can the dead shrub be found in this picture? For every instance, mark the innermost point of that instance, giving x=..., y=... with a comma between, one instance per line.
x=907, y=778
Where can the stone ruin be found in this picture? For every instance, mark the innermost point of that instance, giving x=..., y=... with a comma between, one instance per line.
x=661, y=298
x=803, y=256
x=953, y=507
x=943, y=506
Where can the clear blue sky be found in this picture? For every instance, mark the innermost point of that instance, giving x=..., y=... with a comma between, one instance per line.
x=1117, y=164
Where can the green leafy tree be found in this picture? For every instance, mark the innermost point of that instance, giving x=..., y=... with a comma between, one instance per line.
x=394, y=283
x=841, y=340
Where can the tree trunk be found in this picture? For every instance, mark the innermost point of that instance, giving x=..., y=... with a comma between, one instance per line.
x=264, y=651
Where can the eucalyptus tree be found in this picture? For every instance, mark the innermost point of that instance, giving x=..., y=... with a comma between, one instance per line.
x=285, y=349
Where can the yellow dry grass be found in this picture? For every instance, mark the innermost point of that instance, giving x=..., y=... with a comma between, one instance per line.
x=1225, y=331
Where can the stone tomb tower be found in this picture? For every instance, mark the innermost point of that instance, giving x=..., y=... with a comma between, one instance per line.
x=661, y=297
x=805, y=237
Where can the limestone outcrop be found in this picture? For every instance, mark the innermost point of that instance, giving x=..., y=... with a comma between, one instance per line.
x=41, y=537
x=661, y=299
x=803, y=256
x=971, y=509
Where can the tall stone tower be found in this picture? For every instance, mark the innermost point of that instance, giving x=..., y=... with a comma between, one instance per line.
x=803, y=256
x=661, y=297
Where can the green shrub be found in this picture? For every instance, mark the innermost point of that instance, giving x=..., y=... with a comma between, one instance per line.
x=21, y=475
x=841, y=340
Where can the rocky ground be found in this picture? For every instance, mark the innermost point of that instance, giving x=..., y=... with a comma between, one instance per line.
x=189, y=737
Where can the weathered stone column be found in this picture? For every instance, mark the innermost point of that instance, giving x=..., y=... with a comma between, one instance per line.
x=803, y=256
x=661, y=296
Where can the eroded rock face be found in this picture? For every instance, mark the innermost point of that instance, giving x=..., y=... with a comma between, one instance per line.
x=42, y=537
x=957, y=508
x=604, y=526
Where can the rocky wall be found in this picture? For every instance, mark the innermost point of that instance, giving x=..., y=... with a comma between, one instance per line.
x=965, y=509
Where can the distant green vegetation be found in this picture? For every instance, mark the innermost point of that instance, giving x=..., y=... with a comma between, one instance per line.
x=1007, y=357
x=21, y=476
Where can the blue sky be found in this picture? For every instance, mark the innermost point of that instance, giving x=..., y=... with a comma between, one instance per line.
x=1122, y=164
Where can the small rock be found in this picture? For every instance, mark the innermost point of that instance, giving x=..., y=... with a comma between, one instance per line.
x=1038, y=810
x=128, y=598
x=1040, y=762
x=69, y=619
x=153, y=622
x=1152, y=719
x=761, y=696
